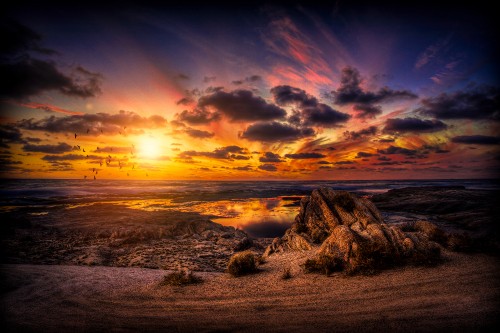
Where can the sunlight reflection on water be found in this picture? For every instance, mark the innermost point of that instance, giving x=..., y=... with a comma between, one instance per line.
x=259, y=217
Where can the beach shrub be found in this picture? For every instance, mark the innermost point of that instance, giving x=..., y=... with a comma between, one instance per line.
x=459, y=242
x=286, y=274
x=324, y=263
x=180, y=278
x=243, y=245
x=242, y=263
x=431, y=231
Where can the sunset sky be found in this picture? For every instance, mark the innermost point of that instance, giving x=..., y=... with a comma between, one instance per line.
x=261, y=91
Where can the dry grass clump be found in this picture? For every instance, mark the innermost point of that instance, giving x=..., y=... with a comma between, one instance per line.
x=432, y=231
x=286, y=274
x=325, y=263
x=242, y=263
x=180, y=278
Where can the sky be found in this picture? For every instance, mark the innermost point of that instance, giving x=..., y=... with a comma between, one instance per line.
x=261, y=90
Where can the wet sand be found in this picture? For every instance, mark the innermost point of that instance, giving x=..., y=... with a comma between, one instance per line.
x=461, y=294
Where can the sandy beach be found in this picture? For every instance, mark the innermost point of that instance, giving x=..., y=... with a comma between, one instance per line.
x=461, y=294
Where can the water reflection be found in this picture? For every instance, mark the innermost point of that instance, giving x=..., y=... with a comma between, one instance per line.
x=263, y=217
x=268, y=217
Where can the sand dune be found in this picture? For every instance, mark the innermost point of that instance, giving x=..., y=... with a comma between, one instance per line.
x=461, y=294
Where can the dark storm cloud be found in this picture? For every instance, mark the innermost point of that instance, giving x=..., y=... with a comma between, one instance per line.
x=48, y=149
x=302, y=156
x=363, y=133
x=17, y=38
x=395, y=125
x=395, y=150
x=365, y=111
x=477, y=139
x=285, y=95
x=477, y=103
x=105, y=122
x=310, y=112
x=198, y=116
x=24, y=76
x=198, y=134
x=323, y=115
x=268, y=167
x=270, y=157
x=350, y=91
x=69, y=157
x=241, y=105
x=362, y=154
x=28, y=77
x=10, y=134
x=223, y=153
x=275, y=131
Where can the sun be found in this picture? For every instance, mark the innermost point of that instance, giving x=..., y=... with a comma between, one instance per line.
x=149, y=147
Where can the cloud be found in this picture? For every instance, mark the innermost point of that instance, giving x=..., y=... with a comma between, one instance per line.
x=105, y=122
x=248, y=79
x=363, y=133
x=10, y=134
x=350, y=91
x=393, y=150
x=302, y=156
x=69, y=157
x=198, y=116
x=344, y=162
x=323, y=115
x=285, y=95
x=185, y=101
x=275, y=131
x=208, y=79
x=395, y=125
x=223, y=153
x=114, y=150
x=28, y=77
x=362, y=154
x=364, y=111
x=48, y=108
x=48, y=149
x=241, y=106
x=477, y=139
x=478, y=103
x=243, y=168
x=270, y=157
x=18, y=38
x=268, y=167
x=311, y=111
x=198, y=134
x=428, y=55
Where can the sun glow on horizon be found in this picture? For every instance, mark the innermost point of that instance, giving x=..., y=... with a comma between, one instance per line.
x=149, y=147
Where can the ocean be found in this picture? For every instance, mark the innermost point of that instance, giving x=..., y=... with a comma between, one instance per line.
x=261, y=208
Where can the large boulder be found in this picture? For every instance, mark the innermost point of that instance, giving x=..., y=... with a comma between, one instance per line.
x=349, y=234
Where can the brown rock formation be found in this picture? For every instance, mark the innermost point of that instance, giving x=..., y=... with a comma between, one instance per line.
x=351, y=235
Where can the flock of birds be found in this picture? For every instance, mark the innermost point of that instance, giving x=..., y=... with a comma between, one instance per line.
x=108, y=159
